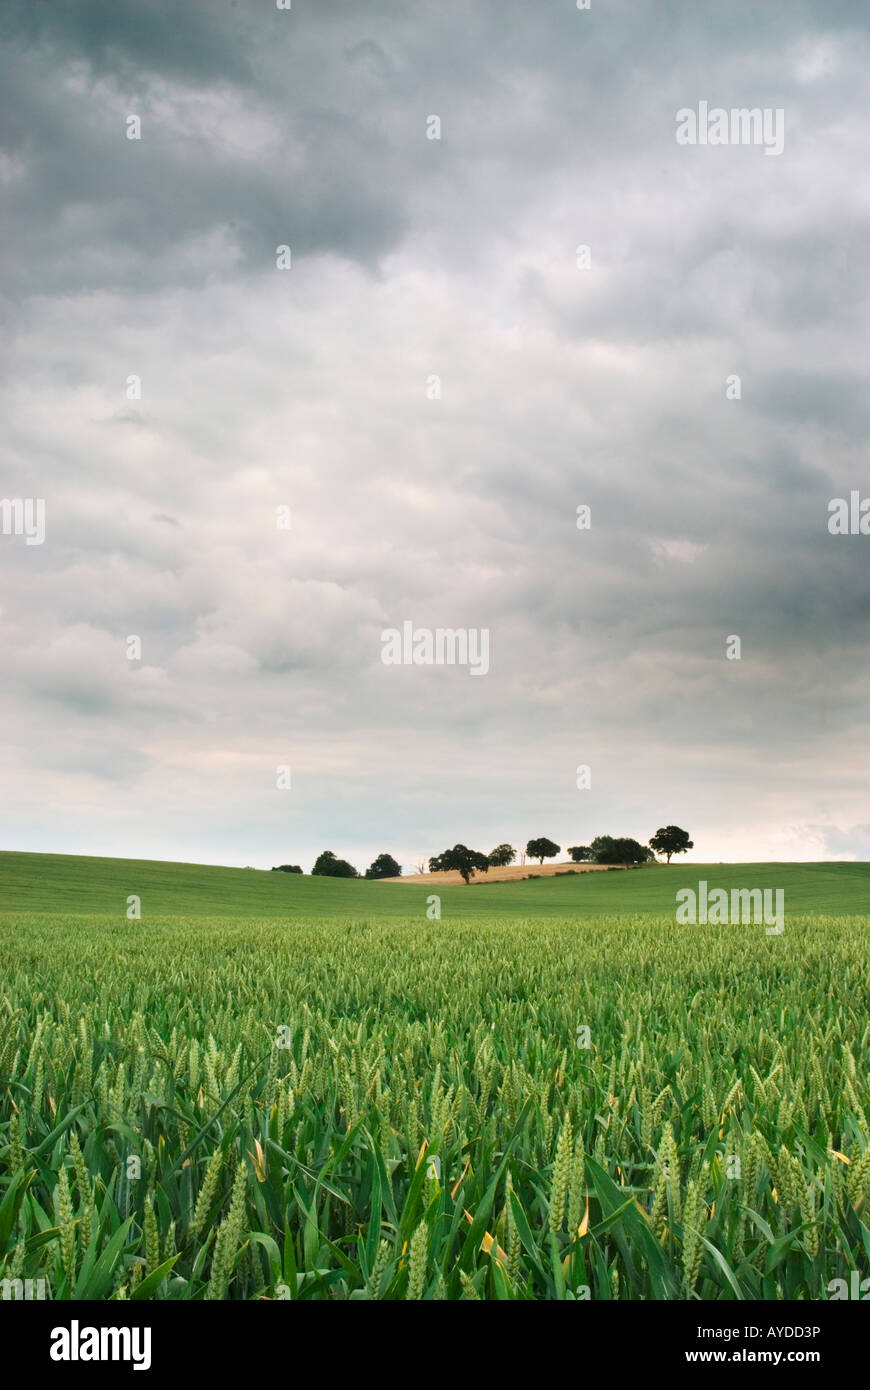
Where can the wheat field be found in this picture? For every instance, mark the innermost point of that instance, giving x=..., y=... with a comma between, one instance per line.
x=207, y=1108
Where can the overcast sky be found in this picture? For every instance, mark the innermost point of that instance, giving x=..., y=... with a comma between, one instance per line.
x=309, y=388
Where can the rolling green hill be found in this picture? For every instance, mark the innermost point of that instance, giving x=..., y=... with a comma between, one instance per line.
x=61, y=883
x=283, y=1050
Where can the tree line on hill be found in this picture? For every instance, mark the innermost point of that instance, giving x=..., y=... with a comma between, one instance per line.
x=604, y=849
x=326, y=865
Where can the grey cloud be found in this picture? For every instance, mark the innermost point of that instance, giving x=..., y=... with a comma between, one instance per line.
x=308, y=388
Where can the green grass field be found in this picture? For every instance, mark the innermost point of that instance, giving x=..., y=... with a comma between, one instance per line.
x=66, y=883
x=272, y=1086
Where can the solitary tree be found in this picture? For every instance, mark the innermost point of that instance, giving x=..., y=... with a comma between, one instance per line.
x=502, y=855
x=463, y=860
x=327, y=866
x=384, y=866
x=580, y=854
x=542, y=849
x=670, y=839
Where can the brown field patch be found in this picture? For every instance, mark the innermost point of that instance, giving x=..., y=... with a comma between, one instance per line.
x=503, y=875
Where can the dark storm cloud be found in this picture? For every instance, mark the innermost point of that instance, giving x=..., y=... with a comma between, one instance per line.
x=96, y=210
x=202, y=43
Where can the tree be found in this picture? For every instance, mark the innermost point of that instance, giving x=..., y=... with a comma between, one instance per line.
x=463, y=860
x=670, y=839
x=607, y=850
x=581, y=854
x=631, y=852
x=327, y=866
x=286, y=869
x=542, y=849
x=603, y=850
x=501, y=856
x=384, y=866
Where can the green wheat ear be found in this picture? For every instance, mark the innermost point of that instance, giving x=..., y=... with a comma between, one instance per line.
x=66, y=1226
x=561, y=1174
x=694, y=1220
x=417, y=1262
x=229, y=1238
